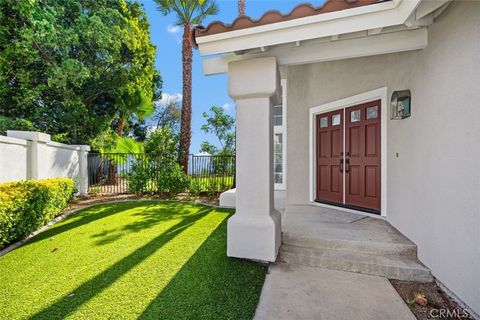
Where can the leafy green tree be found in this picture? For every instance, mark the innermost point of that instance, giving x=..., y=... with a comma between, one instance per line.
x=115, y=150
x=188, y=13
x=14, y=124
x=222, y=126
x=72, y=67
x=161, y=148
x=162, y=143
x=136, y=128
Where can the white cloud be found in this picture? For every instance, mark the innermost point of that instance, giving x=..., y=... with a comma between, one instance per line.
x=226, y=106
x=173, y=29
x=168, y=98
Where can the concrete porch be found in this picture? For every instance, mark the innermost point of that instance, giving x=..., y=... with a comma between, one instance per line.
x=337, y=240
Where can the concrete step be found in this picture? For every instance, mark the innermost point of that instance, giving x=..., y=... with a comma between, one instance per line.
x=362, y=245
x=394, y=266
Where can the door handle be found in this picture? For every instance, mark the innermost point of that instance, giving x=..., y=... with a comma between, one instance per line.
x=347, y=165
x=341, y=165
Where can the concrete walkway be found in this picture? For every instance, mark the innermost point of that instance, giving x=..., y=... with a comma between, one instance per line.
x=298, y=292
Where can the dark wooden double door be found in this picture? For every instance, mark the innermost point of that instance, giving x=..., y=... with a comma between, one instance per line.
x=348, y=157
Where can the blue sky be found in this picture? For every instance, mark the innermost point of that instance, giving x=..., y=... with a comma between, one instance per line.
x=207, y=91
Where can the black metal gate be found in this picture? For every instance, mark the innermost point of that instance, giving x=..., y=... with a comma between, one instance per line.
x=109, y=173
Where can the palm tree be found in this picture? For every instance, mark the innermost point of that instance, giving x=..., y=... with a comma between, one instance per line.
x=241, y=7
x=189, y=13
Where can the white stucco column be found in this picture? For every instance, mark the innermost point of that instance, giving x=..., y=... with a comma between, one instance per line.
x=83, y=170
x=254, y=230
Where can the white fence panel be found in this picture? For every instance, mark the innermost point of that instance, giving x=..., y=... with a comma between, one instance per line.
x=32, y=155
x=13, y=159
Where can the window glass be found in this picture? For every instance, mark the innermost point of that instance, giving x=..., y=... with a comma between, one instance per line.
x=372, y=112
x=278, y=158
x=277, y=115
x=355, y=116
x=323, y=122
x=335, y=120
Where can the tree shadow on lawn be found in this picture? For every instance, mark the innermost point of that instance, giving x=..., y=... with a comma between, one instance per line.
x=211, y=285
x=89, y=289
x=97, y=212
x=82, y=217
x=150, y=217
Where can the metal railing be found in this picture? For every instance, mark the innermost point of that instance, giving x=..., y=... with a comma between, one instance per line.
x=110, y=173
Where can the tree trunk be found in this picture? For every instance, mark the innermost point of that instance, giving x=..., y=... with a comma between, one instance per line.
x=241, y=7
x=120, y=126
x=112, y=173
x=186, y=117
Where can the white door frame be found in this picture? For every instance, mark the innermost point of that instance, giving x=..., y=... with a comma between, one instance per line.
x=381, y=94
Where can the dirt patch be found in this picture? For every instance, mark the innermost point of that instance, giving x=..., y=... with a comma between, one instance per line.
x=82, y=202
x=438, y=304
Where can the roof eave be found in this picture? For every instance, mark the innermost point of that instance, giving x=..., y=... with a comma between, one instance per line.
x=369, y=17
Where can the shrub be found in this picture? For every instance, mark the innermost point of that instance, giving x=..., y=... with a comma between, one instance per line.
x=29, y=205
x=195, y=187
x=139, y=177
x=172, y=180
x=162, y=149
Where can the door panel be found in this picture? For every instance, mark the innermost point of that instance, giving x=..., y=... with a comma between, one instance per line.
x=354, y=181
x=329, y=155
x=362, y=156
x=357, y=172
x=337, y=180
x=370, y=181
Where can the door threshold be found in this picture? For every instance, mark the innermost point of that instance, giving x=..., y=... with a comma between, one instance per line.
x=351, y=207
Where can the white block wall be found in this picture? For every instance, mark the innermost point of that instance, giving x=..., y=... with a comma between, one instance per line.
x=32, y=155
x=13, y=159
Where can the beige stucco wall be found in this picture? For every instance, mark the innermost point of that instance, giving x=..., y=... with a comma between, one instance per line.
x=434, y=184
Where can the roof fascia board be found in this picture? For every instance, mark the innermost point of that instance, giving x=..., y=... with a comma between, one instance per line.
x=336, y=50
x=351, y=20
x=300, y=21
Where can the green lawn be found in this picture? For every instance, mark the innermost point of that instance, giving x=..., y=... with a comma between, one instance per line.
x=129, y=260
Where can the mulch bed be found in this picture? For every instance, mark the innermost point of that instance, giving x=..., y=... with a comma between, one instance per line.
x=439, y=304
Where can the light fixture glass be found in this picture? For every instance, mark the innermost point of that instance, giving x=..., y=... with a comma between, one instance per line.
x=400, y=104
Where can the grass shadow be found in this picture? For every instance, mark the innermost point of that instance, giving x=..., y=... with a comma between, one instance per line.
x=210, y=285
x=81, y=217
x=150, y=217
x=155, y=215
x=89, y=289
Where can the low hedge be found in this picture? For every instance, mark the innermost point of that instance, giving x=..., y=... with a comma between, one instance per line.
x=26, y=206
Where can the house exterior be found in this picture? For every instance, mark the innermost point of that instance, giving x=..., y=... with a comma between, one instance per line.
x=345, y=76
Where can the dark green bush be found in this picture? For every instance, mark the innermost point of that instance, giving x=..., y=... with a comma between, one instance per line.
x=14, y=124
x=26, y=206
x=172, y=180
x=195, y=187
x=139, y=177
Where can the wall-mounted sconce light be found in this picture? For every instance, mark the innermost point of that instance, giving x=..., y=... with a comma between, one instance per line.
x=401, y=104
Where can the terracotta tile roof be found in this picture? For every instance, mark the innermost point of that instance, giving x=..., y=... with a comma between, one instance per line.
x=273, y=16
